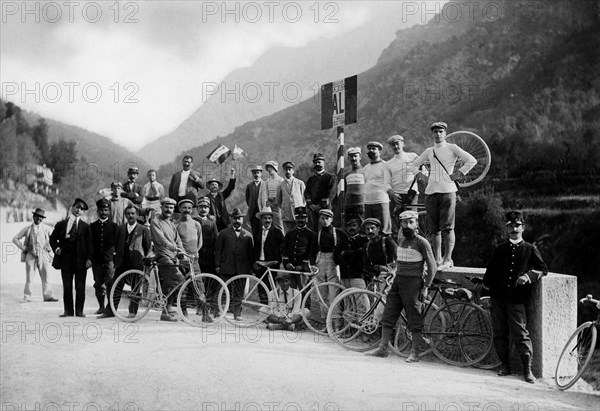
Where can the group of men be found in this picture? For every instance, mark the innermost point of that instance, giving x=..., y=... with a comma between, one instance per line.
x=291, y=223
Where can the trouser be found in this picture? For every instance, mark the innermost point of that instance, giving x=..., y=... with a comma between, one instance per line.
x=404, y=294
x=199, y=292
x=382, y=213
x=33, y=263
x=327, y=272
x=509, y=323
x=170, y=276
x=313, y=219
x=356, y=210
x=236, y=290
x=262, y=294
x=79, y=275
x=133, y=305
x=103, y=277
x=353, y=283
x=294, y=318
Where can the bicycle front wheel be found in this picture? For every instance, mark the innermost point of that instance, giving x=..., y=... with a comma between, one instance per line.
x=460, y=333
x=129, y=296
x=353, y=320
x=248, y=301
x=317, y=299
x=402, y=343
x=576, y=355
x=491, y=361
x=203, y=300
x=474, y=145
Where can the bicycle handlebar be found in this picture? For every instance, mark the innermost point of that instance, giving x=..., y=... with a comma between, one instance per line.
x=589, y=298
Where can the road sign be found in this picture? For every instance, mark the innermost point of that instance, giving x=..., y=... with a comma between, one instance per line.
x=338, y=103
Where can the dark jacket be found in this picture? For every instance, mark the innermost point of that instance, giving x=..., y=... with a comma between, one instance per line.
x=139, y=246
x=104, y=238
x=349, y=253
x=296, y=244
x=508, y=263
x=191, y=186
x=218, y=207
x=233, y=254
x=318, y=189
x=272, y=245
x=130, y=194
x=81, y=246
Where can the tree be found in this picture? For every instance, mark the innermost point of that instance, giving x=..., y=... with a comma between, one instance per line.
x=62, y=158
x=40, y=138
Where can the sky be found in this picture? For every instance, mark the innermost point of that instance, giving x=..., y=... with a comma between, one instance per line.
x=134, y=70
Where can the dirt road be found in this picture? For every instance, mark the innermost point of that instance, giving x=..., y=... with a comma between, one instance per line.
x=51, y=363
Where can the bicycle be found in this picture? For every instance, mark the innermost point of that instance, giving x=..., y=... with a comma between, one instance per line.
x=578, y=351
x=474, y=145
x=135, y=292
x=249, y=297
x=458, y=332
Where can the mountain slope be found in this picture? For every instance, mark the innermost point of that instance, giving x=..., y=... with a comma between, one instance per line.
x=280, y=78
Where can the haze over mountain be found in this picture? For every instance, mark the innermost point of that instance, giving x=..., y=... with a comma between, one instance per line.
x=281, y=77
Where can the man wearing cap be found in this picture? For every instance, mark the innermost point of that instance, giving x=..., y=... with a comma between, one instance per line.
x=295, y=248
x=234, y=251
x=209, y=236
x=252, y=194
x=267, y=197
x=377, y=182
x=322, y=255
x=285, y=306
x=153, y=193
x=441, y=190
x=350, y=254
x=216, y=198
x=118, y=203
x=402, y=179
x=513, y=268
x=131, y=189
x=318, y=191
x=186, y=181
x=190, y=232
x=290, y=194
x=409, y=287
x=35, y=247
x=104, y=238
x=355, y=185
x=133, y=244
x=71, y=241
x=168, y=247
x=379, y=253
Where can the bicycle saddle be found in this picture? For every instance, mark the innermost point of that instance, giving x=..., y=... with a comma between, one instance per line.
x=267, y=264
x=149, y=259
x=457, y=294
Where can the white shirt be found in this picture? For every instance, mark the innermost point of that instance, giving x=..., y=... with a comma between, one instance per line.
x=183, y=183
x=402, y=173
x=294, y=299
x=72, y=220
x=131, y=227
x=265, y=233
x=377, y=181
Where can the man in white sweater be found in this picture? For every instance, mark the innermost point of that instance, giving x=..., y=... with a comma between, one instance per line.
x=441, y=190
x=377, y=182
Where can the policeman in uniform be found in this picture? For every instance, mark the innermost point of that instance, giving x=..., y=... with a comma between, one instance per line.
x=295, y=248
x=514, y=267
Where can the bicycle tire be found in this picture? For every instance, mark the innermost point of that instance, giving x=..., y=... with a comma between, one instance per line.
x=576, y=355
x=206, y=296
x=477, y=339
x=446, y=332
x=491, y=361
x=476, y=146
x=131, y=287
x=402, y=343
x=245, y=306
x=353, y=320
x=313, y=320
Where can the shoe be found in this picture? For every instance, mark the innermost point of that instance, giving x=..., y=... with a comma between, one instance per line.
x=527, y=374
x=184, y=312
x=131, y=315
x=80, y=314
x=106, y=314
x=504, y=369
x=413, y=357
x=272, y=326
x=168, y=317
x=291, y=327
x=446, y=264
x=100, y=310
x=238, y=316
x=382, y=352
x=51, y=300
x=25, y=299
x=66, y=314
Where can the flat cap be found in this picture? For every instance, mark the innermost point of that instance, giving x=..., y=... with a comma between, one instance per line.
x=318, y=156
x=83, y=204
x=438, y=124
x=515, y=217
x=184, y=201
x=326, y=212
x=375, y=144
x=405, y=215
x=168, y=201
x=203, y=202
x=257, y=167
x=373, y=221
x=116, y=184
x=395, y=138
x=283, y=276
x=133, y=170
x=353, y=150
x=288, y=164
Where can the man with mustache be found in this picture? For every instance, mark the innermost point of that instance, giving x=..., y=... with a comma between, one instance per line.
x=355, y=185
x=409, y=287
x=379, y=253
x=318, y=191
x=216, y=198
x=295, y=248
x=290, y=195
x=350, y=254
x=168, y=247
x=186, y=182
x=377, y=183
x=514, y=267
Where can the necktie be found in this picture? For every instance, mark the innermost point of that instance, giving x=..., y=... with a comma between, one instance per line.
x=285, y=296
x=73, y=232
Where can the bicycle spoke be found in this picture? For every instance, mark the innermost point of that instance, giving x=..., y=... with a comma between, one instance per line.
x=576, y=355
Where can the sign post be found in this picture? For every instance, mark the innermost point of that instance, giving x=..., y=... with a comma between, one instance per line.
x=338, y=108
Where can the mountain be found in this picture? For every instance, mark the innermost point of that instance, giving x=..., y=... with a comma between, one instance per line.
x=280, y=78
x=527, y=83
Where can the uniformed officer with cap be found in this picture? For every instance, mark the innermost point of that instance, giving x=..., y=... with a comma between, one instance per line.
x=318, y=191
x=104, y=237
x=295, y=248
x=514, y=267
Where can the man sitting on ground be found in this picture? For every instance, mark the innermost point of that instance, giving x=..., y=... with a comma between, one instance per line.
x=285, y=306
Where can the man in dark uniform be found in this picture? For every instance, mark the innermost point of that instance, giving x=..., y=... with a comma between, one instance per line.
x=104, y=237
x=131, y=189
x=514, y=267
x=350, y=254
x=217, y=198
x=71, y=242
x=379, y=253
x=318, y=191
x=295, y=248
